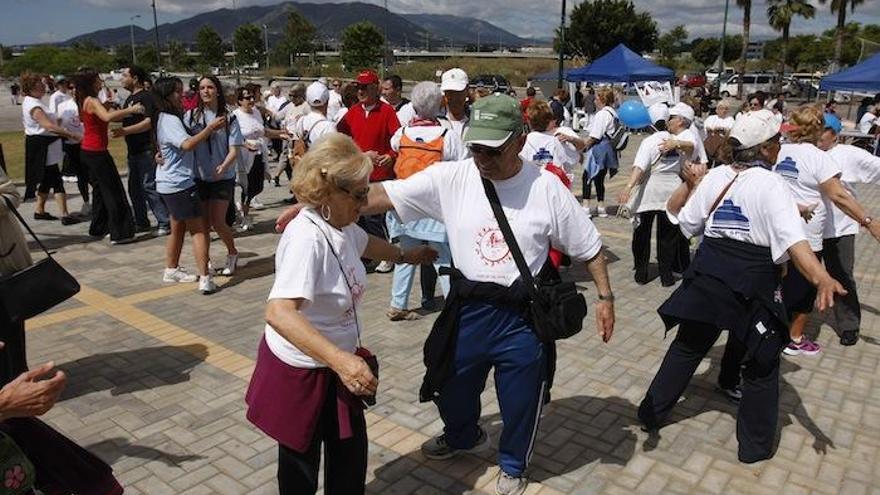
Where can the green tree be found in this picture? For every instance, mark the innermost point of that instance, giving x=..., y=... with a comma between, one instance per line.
x=839, y=7
x=299, y=35
x=705, y=50
x=49, y=59
x=671, y=43
x=176, y=54
x=210, y=45
x=780, y=14
x=746, y=5
x=597, y=26
x=249, y=44
x=361, y=46
x=146, y=56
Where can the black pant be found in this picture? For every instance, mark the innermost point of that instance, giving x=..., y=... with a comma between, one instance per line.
x=73, y=167
x=13, y=357
x=110, y=210
x=256, y=179
x=428, y=282
x=345, y=461
x=839, y=256
x=667, y=246
x=374, y=225
x=757, y=416
x=598, y=181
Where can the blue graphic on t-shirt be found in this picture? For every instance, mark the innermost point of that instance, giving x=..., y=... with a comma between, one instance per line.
x=542, y=156
x=729, y=217
x=788, y=169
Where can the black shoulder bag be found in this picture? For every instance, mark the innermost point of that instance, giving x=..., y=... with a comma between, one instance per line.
x=557, y=310
x=37, y=288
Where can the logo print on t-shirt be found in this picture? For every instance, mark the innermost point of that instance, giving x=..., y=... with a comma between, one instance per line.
x=491, y=246
x=542, y=156
x=729, y=217
x=788, y=169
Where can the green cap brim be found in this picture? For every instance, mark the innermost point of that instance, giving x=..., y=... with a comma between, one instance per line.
x=492, y=138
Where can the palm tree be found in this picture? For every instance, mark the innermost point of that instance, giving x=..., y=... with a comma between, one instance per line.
x=839, y=7
x=780, y=13
x=746, y=5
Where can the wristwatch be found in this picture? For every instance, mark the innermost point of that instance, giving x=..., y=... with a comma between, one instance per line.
x=609, y=297
x=866, y=221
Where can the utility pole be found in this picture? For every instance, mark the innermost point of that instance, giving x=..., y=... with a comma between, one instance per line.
x=385, y=40
x=561, y=46
x=235, y=53
x=156, y=33
x=478, y=41
x=720, y=62
x=266, y=42
x=134, y=59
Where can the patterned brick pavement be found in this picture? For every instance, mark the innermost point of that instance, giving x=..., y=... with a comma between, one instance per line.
x=158, y=374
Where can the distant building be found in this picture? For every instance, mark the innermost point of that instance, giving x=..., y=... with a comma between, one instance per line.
x=755, y=50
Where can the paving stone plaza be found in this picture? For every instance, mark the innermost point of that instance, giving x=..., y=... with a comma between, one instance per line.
x=158, y=372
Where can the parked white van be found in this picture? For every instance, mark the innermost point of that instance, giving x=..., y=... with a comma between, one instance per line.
x=713, y=74
x=751, y=84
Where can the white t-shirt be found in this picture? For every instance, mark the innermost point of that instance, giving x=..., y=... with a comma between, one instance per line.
x=602, y=124
x=457, y=125
x=68, y=116
x=541, y=212
x=406, y=114
x=867, y=121
x=55, y=153
x=692, y=134
x=274, y=103
x=252, y=128
x=805, y=167
x=664, y=169
x=334, y=105
x=315, y=126
x=757, y=209
x=714, y=122
x=545, y=147
x=858, y=167
x=290, y=114
x=453, y=148
x=306, y=268
x=55, y=99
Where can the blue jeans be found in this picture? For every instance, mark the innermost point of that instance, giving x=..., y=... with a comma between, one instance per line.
x=142, y=190
x=402, y=283
x=493, y=337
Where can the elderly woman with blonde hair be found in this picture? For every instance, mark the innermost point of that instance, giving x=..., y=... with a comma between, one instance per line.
x=312, y=375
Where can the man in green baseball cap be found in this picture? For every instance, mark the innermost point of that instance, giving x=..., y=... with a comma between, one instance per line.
x=495, y=136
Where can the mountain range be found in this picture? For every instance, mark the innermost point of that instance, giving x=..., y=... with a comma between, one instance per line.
x=330, y=19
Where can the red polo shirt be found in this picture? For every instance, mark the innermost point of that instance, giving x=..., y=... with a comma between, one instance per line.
x=372, y=131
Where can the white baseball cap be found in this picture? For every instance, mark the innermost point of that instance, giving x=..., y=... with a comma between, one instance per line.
x=682, y=110
x=454, y=80
x=317, y=94
x=753, y=128
x=658, y=111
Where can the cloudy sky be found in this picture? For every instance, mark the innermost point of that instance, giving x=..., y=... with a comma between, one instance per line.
x=32, y=21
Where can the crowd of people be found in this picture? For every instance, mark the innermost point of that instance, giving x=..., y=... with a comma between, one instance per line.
x=756, y=216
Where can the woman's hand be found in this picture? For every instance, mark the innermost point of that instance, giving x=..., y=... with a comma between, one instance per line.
x=421, y=255
x=624, y=194
x=137, y=109
x=32, y=393
x=217, y=123
x=692, y=173
x=826, y=289
x=355, y=374
x=807, y=211
x=668, y=145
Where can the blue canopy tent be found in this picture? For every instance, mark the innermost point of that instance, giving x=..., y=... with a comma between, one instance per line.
x=861, y=77
x=621, y=65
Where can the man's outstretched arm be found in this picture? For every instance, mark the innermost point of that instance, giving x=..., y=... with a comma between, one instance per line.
x=377, y=202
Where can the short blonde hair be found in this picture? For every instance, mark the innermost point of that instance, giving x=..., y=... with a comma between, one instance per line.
x=335, y=161
x=808, y=123
x=605, y=94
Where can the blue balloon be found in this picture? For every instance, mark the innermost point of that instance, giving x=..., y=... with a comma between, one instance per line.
x=833, y=123
x=634, y=114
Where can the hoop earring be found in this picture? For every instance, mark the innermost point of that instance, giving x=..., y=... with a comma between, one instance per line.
x=325, y=215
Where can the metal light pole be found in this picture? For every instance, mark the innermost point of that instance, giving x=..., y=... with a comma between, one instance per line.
x=266, y=42
x=478, y=41
x=561, y=46
x=131, y=19
x=156, y=33
x=235, y=53
x=720, y=62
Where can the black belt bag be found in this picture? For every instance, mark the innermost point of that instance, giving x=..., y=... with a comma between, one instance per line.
x=557, y=310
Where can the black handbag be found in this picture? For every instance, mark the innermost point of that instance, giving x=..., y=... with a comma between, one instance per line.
x=557, y=310
x=37, y=288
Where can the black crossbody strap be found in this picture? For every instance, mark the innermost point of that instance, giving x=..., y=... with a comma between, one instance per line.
x=509, y=238
x=26, y=226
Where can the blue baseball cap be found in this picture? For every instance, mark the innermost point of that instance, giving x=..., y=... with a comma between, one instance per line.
x=833, y=122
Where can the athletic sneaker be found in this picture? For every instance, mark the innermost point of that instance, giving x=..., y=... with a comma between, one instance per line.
x=68, y=178
x=207, y=285
x=437, y=448
x=733, y=394
x=256, y=205
x=385, y=267
x=211, y=270
x=231, y=264
x=806, y=347
x=161, y=231
x=589, y=213
x=603, y=212
x=510, y=485
x=178, y=275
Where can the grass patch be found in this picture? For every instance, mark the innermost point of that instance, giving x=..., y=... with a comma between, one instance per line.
x=13, y=152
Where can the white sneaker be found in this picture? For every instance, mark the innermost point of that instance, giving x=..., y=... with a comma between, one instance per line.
x=245, y=225
x=68, y=178
x=256, y=205
x=231, y=264
x=510, y=485
x=602, y=211
x=211, y=270
x=178, y=275
x=385, y=267
x=162, y=231
x=207, y=285
x=589, y=213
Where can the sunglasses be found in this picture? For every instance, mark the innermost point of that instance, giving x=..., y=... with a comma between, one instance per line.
x=488, y=151
x=755, y=104
x=359, y=195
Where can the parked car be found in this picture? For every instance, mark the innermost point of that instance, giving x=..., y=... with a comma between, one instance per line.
x=495, y=82
x=692, y=81
x=751, y=83
x=713, y=74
